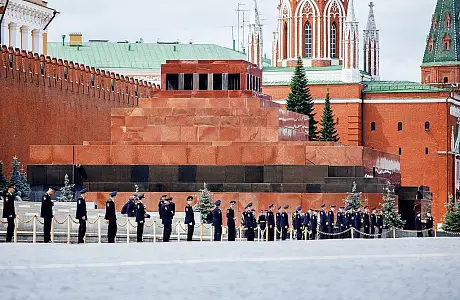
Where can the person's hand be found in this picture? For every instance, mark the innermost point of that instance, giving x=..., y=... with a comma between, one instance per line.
x=190, y=224
x=83, y=218
x=107, y=221
x=140, y=222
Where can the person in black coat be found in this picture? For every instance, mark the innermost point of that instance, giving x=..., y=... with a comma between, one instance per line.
x=231, y=226
x=284, y=223
x=314, y=224
x=418, y=225
x=189, y=218
x=429, y=224
x=322, y=222
x=366, y=222
x=81, y=215
x=140, y=217
x=380, y=223
x=357, y=222
x=111, y=217
x=340, y=223
x=250, y=222
x=167, y=219
x=348, y=220
x=278, y=223
x=306, y=223
x=271, y=223
x=297, y=223
x=160, y=204
x=373, y=221
x=262, y=224
x=46, y=212
x=217, y=221
x=9, y=211
x=330, y=221
x=131, y=210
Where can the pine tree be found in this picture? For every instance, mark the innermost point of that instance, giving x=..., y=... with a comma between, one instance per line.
x=452, y=216
x=328, y=132
x=204, y=202
x=354, y=198
x=391, y=217
x=66, y=192
x=300, y=99
x=18, y=177
x=3, y=183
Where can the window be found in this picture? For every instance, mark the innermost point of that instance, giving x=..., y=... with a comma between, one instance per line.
x=188, y=82
x=234, y=82
x=92, y=80
x=172, y=82
x=426, y=150
x=10, y=59
x=333, y=40
x=446, y=42
x=373, y=126
x=136, y=90
x=399, y=151
x=308, y=40
x=399, y=126
x=66, y=71
x=42, y=68
x=285, y=41
x=447, y=20
x=427, y=126
x=446, y=79
x=113, y=85
x=217, y=82
x=203, y=82
x=430, y=44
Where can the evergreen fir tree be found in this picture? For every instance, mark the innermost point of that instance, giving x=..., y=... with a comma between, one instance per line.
x=3, y=183
x=452, y=216
x=18, y=177
x=354, y=198
x=204, y=203
x=300, y=99
x=66, y=192
x=328, y=132
x=391, y=217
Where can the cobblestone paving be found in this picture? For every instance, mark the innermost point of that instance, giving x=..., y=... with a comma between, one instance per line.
x=330, y=269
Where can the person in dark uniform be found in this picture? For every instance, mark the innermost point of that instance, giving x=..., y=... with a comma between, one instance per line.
x=373, y=221
x=9, y=211
x=366, y=221
x=278, y=223
x=231, y=226
x=429, y=224
x=132, y=206
x=81, y=216
x=217, y=221
x=340, y=223
x=271, y=223
x=418, y=225
x=348, y=220
x=209, y=215
x=330, y=221
x=160, y=204
x=357, y=222
x=297, y=223
x=173, y=207
x=167, y=219
x=380, y=223
x=250, y=222
x=140, y=217
x=189, y=218
x=306, y=223
x=284, y=223
x=111, y=217
x=322, y=222
x=46, y=212
x=262, y=224
x=314, y=224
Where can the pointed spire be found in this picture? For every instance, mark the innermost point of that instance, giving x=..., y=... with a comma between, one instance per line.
x=255, y=20
x=351, y=12
x=371, y=19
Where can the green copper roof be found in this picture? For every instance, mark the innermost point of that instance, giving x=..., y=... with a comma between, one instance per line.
x=439, y=30
x=309, y=82
x=106, y=55
x=398, y=87
x=281, y=69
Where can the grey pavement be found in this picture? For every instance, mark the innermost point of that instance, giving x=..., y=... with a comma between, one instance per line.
x=392, y=269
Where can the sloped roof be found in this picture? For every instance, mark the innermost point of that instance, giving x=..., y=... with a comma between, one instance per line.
x=149, y=56
x=399, y=87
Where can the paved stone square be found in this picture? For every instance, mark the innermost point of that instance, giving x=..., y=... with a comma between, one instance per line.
x=329, y=269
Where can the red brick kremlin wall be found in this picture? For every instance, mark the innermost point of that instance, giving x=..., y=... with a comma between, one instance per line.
x=45, y=100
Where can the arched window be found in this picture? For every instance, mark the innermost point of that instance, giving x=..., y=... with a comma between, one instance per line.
x=447, y=20
x=333, y=40
x=399, y=126
x=446, y=79
x=372, y=126
x=427, y=126
x=308, y=40
x=446, y=42
x=285, y=41
x=92, y=80
x=430, y=44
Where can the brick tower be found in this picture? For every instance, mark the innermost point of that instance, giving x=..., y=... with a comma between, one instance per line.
x=441, y=62
x=350, y=72
x=255, y=38
x=310, y=29
x=371, y=46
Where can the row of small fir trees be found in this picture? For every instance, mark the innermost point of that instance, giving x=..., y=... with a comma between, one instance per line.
x=301, y=101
